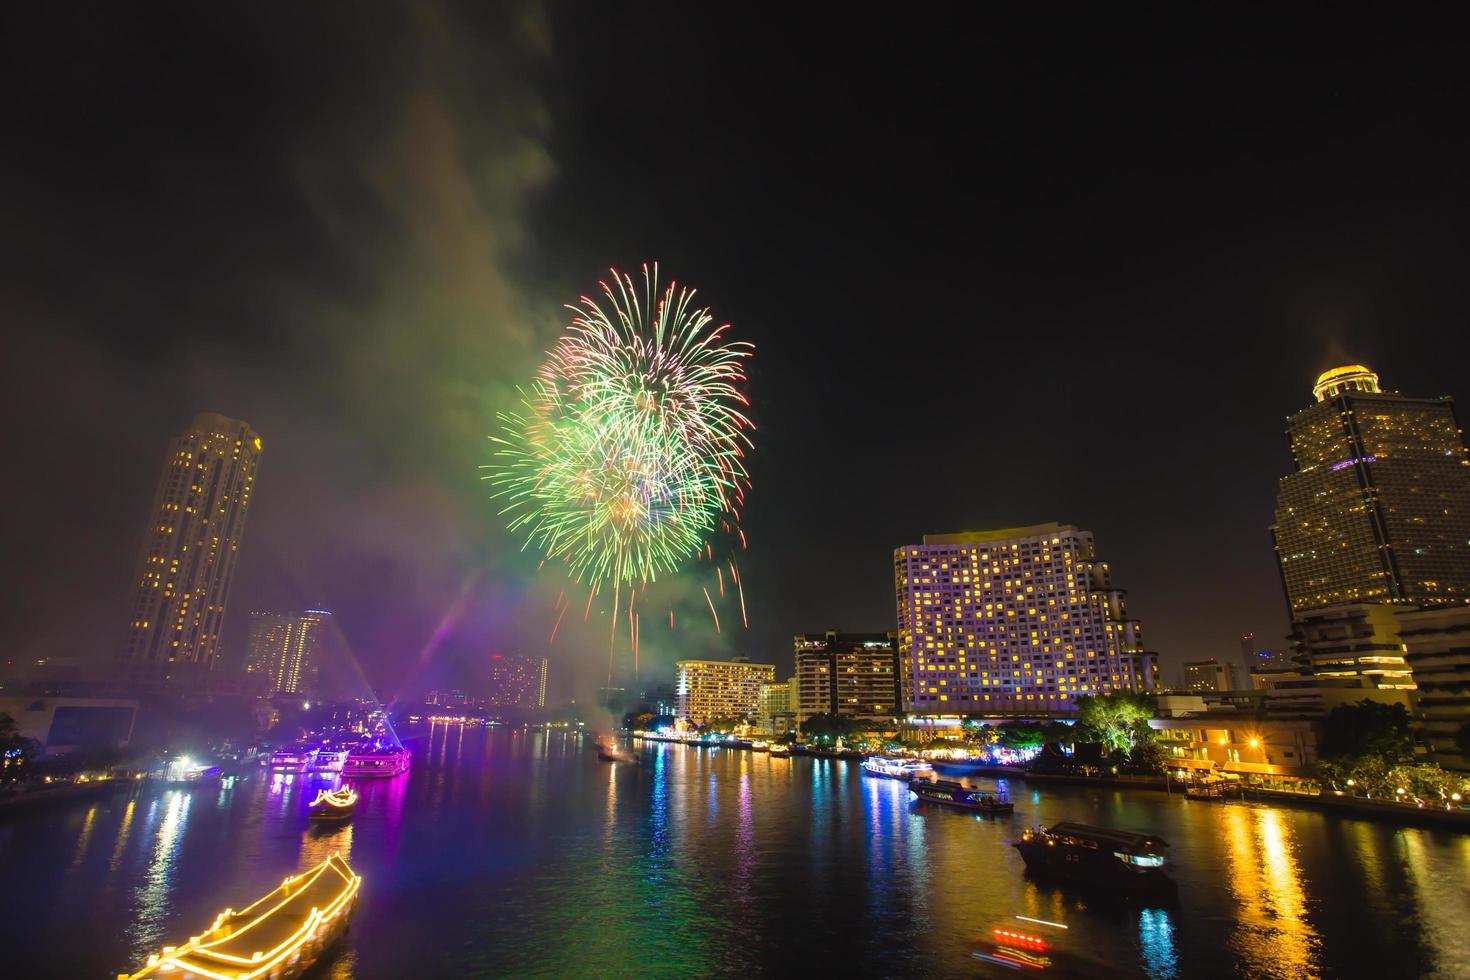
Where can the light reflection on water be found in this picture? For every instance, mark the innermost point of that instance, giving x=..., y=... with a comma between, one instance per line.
x=514, y=853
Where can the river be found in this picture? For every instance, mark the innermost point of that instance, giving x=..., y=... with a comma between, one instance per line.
x=516, y=853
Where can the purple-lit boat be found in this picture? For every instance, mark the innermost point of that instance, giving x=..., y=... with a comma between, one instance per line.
x=297, y=758
x=376, y=759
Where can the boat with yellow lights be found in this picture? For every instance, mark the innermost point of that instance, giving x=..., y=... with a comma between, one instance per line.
x=334, y=806
x=278, y=937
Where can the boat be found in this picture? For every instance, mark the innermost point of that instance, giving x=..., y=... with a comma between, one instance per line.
x=297, y=758
x=329, y=760
x=608, y=751
x=334, y=806
x=878, y=765
x=1097, y=854
x=780, y=748
x=376, y=759
x=760, y=746
x=279, y=937
x=951, y=793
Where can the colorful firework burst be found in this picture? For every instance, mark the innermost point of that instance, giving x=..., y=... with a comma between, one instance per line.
x=627, y=459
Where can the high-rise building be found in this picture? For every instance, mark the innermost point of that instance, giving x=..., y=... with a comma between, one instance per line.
x=285, y=648
x=187, y=561
x=853, y=675
x=776, y=707
x=1437, y=648
x=1209, y=675
x=1378, y=509
x=1016, y=621
x=516, y=682
x=710, y=689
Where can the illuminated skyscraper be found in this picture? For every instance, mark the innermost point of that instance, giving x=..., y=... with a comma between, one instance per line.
x=188, y=556
x=517, y=682
x=1378, y=509
x=1014, y=621
x=285, y=647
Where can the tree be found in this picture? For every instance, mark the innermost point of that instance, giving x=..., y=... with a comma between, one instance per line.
x=1368, y=729
x=1118, y=720
x=827, y=725
x=1462, y=740
x=15, y=750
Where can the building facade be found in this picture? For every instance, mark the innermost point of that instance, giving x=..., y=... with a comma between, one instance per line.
x=1209, y=675
x=851, y=675
x=187, y=561
x=1359, y=639
x=285, y=648
x=516, y=682
x=776, y=707
x=1019, y=621
x=717, y=689
x=1267, y=753
x=1378, y=509
x=1437, y=649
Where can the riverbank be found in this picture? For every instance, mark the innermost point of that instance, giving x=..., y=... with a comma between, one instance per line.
x=1350, y=806
x=13, y=801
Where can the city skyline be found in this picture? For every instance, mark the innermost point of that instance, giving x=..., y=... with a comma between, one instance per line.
x=1190, y=314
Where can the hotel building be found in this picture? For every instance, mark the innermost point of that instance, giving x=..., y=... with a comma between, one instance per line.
x=851, y=675
x=1018, y=621
x=710, y=689
x=187, y=561
x=1378, y=509
x=285, y=647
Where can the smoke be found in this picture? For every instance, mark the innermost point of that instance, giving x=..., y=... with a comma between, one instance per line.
x=314, y=223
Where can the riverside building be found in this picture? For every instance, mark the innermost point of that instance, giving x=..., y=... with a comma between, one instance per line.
x=1017, y=621
x=187, y=561
x=718, y=689
x=1378, y=509
x=851, y=675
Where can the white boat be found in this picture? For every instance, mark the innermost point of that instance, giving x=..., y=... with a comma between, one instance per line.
x=904, y=769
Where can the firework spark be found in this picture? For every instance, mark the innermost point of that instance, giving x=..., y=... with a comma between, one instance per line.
x=627, y=459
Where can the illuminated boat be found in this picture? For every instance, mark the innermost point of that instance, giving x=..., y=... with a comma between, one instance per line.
x=297, y=758
x=951, y=793
x=334, y=806
x=329, y=760
x=281, y=936
x=780, y=748
x=877, y=765
x=1097, y=854
x=608, y=751
x=375, y=759
x=760, y=746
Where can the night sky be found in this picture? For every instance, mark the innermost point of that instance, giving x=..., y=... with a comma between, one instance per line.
x=996, y=274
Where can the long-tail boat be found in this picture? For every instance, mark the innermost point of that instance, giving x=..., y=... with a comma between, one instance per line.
x=279, y=937
x=334, y=806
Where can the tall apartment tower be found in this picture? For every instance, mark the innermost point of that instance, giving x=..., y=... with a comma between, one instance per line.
x=1018, y=621
x=284, y=647
x=516, y=682
x=187, y=561
x=851, y=675
x=1378, y=509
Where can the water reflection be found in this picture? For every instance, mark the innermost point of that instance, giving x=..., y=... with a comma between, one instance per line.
x=1272, y=935
x=1156, y=942
x=152, y=900
x=1443, y=906
x=86, y=836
